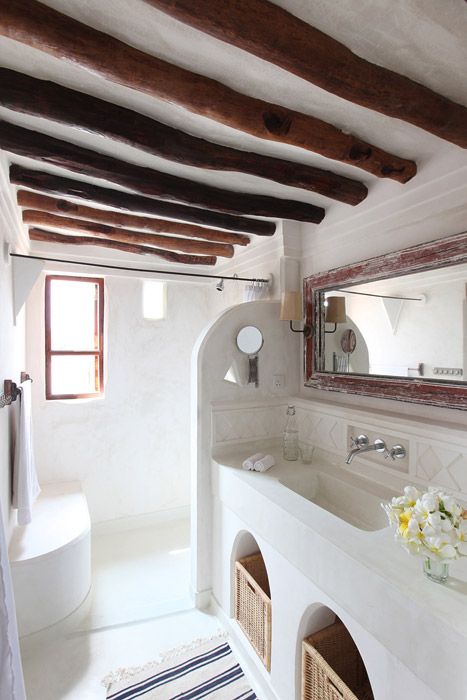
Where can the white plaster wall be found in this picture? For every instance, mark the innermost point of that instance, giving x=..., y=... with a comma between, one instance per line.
x=130, y=449
x=12, y=353
x=212, y=357
x=12, y=363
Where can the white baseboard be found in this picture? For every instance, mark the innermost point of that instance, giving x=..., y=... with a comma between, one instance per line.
x=202, y=599
x=251, y=664
x=138, y=522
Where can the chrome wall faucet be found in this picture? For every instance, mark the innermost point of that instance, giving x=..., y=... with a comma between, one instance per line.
x=362, y=444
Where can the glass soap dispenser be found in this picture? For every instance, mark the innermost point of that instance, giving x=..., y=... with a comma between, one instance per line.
x=290, y=440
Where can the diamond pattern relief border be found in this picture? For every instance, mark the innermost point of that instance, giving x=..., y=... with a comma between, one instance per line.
x=264, y=422
x=323, y=431
x=442, y=467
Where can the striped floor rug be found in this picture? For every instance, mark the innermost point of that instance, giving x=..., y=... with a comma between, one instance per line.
x=207, y=670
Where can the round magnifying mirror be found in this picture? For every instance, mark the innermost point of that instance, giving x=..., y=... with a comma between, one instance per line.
x=249, y=340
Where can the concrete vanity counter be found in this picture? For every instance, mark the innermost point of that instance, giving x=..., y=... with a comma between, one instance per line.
x=365, y=573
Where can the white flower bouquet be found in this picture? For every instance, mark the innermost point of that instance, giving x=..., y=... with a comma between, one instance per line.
x=429, y=524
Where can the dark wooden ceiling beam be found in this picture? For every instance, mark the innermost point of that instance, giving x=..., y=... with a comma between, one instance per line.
x=79, y=189
x=43, y=28
x=93, y=228
x=40, y=98
x=270, y=32
x=47, y=149
x=36, y=234
x=61, y=207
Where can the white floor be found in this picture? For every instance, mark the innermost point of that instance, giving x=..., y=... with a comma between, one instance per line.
x=139, y=574
x=138, y=607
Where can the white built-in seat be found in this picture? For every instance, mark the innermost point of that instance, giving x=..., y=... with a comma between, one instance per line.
x=51, y=557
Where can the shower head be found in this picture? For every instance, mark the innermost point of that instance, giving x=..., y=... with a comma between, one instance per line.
x=220, y=286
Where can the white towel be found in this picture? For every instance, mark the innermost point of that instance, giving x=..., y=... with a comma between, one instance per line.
x=11, y=673
x=25, y=484
x=249, y=463
x=265, y=463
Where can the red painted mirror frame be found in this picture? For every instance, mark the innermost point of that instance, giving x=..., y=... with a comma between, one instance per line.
x=427, y=256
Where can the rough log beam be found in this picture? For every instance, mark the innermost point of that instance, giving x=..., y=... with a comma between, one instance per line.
x=47, y=100
x=47, y=149
x=62, y=186
x=266, y=30
x=43, y=28
x=39, y=202
x=92, y=228
x=37, y=234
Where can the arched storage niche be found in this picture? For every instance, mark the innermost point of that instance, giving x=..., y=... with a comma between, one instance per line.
x=252, y=605
x=327, y=658
x=243, y=545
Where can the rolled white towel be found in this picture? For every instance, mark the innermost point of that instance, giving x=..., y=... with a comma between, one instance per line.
x=265, y=463
x=250, y=462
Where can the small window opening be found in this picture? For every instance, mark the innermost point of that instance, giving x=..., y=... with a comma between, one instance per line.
x=74, y=330
x=154, y=300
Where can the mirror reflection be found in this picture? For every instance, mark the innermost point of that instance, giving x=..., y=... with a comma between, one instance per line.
x=408, y=326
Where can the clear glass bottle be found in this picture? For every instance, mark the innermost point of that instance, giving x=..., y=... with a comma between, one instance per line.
x=290, y=440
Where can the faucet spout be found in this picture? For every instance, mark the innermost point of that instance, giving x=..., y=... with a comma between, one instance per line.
x=378, y=446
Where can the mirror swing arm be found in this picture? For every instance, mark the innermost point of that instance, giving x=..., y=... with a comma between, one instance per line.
x=436, y=254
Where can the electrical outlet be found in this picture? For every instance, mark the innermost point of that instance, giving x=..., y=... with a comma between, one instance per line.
x=278, y=382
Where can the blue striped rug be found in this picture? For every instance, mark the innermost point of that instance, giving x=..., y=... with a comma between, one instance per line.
x=209, y=670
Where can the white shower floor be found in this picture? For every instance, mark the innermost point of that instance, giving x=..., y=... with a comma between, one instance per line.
x=139, y=574
x=139, y=606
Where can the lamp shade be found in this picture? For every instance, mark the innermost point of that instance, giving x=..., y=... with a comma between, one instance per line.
x=335, y=310
x=291, y=307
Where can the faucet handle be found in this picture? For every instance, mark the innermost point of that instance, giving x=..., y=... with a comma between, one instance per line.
x=396, y=452
x=360, y=441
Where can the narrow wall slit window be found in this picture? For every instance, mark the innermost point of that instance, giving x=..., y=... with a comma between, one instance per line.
x=154, y=300
x=74, y=332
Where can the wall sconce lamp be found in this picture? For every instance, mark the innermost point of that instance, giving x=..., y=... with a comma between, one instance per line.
x=335, y=312
x=292, y=310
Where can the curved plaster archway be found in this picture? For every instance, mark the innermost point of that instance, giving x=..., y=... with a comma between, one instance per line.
x=316, y=617
x=243, y=545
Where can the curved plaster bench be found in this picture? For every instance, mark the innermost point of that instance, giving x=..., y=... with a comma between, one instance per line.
x=51, y=558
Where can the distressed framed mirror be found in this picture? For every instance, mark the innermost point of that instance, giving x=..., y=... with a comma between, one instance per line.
x=394, y=326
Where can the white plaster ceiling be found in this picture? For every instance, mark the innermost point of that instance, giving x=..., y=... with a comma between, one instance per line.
x=423, y=39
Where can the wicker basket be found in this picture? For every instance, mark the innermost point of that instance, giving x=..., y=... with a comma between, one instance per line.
x=253, y=604
x=332, y=668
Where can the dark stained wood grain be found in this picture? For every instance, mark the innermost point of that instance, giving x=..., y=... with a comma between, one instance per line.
x=36, y=234
x=80, y=189
x=47, y=149
x=40, y=202
x=93, y=228
x=427, y=256
x=43, y=28
x=47, y=100
x=270, y=32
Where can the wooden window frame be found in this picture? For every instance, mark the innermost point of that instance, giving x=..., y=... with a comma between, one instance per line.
x=99, y=328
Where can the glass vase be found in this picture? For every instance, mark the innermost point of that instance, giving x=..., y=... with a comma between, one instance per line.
x=437, y=571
